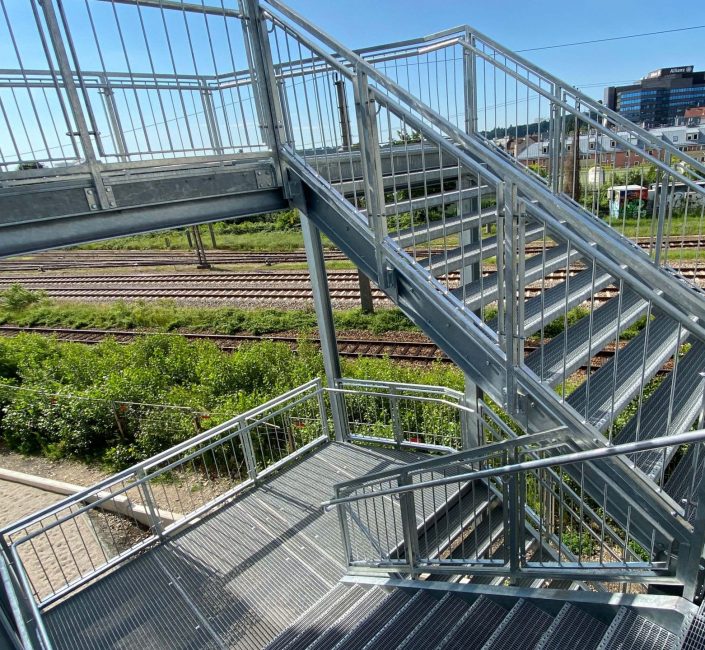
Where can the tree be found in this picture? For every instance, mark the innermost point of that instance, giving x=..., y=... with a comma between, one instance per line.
x=32, y=164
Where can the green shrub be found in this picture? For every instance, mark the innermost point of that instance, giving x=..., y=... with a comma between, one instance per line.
x=17, y=298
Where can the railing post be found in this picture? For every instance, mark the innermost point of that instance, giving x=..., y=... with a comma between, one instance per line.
x=342, y=509
x=247, y=449
x=469, y=78
x=322, y=410
x=114, y=119
x=555, y=139
x=326, y=326
x=264, y=84
x=148, y=497
x=660, y=195
x=396, y=420
x=691, y=575
x=104, y=198
x=211, y=122
x=513, y=278
x=372, y=171
x=471, y=423
x=408, y=519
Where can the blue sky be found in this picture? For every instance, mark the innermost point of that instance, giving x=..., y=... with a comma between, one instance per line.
x=531, y=24
x=115, y=36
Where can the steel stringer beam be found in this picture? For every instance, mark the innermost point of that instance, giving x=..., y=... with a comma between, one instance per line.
x=471, y=347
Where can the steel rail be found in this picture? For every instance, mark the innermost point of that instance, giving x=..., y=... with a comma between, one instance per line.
x=677, y=440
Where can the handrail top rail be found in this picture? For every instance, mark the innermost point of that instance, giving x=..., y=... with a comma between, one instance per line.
x=237, y=423
x=517, y=468
x=549, y=438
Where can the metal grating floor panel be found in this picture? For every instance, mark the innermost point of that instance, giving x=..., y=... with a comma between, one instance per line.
x=522, y=628
x=573, y=628
x=629, y=631
x=476, y=626
x=585, y=337
x=237, y=578
x=142, y=608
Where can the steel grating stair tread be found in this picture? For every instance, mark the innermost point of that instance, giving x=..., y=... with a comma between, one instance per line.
x=585, y=338
x=630, y=631
x=462, y=256
x=687, y=403
x=360, y=635
x=435, y=539
x=397, y=630
x=308, y=628
x=604, y=402
x=573, y=628
x=687, y=475
x=473, y=628
x=326, y=626
x=484, y=290
x=522, y=627
x=543, y=309
x=692, y=636
x=423, y=233
x=431, y=631
x=414, y=617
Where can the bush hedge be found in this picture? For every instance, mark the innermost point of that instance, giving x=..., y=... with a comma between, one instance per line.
x=91, y=402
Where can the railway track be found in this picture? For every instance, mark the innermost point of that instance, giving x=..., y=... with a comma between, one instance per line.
x=417, y=351
x=275, y=286
x=56, y=260
x=395, y=349
x=79, y=259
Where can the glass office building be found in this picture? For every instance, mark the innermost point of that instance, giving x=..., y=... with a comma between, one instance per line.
x=660, y=97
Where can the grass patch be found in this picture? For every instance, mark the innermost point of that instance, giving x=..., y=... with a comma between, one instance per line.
x=30, y=309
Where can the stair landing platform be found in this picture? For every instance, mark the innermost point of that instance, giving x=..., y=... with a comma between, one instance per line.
x=235, y=579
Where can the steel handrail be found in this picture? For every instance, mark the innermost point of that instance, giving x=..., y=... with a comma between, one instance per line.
x=675, y=292
x=611, y=115
x=518, y=468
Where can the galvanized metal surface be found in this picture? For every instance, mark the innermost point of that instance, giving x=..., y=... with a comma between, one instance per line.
x=235, y=579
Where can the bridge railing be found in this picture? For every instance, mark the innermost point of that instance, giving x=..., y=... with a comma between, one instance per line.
x=63, y=546
x=125, y=81
x=648, y=186
x=548, y=527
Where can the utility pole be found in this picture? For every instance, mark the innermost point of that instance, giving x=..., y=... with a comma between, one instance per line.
x=366, y=303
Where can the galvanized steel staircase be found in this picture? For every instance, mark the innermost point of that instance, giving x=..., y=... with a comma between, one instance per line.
x=367, y=618
x=542, y=240
x=480, y=251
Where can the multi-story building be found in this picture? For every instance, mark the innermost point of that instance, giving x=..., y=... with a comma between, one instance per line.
x=660, y=97
x=606, y=150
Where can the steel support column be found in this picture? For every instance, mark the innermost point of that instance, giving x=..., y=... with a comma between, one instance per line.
x=269, y=107
x=326, y=327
